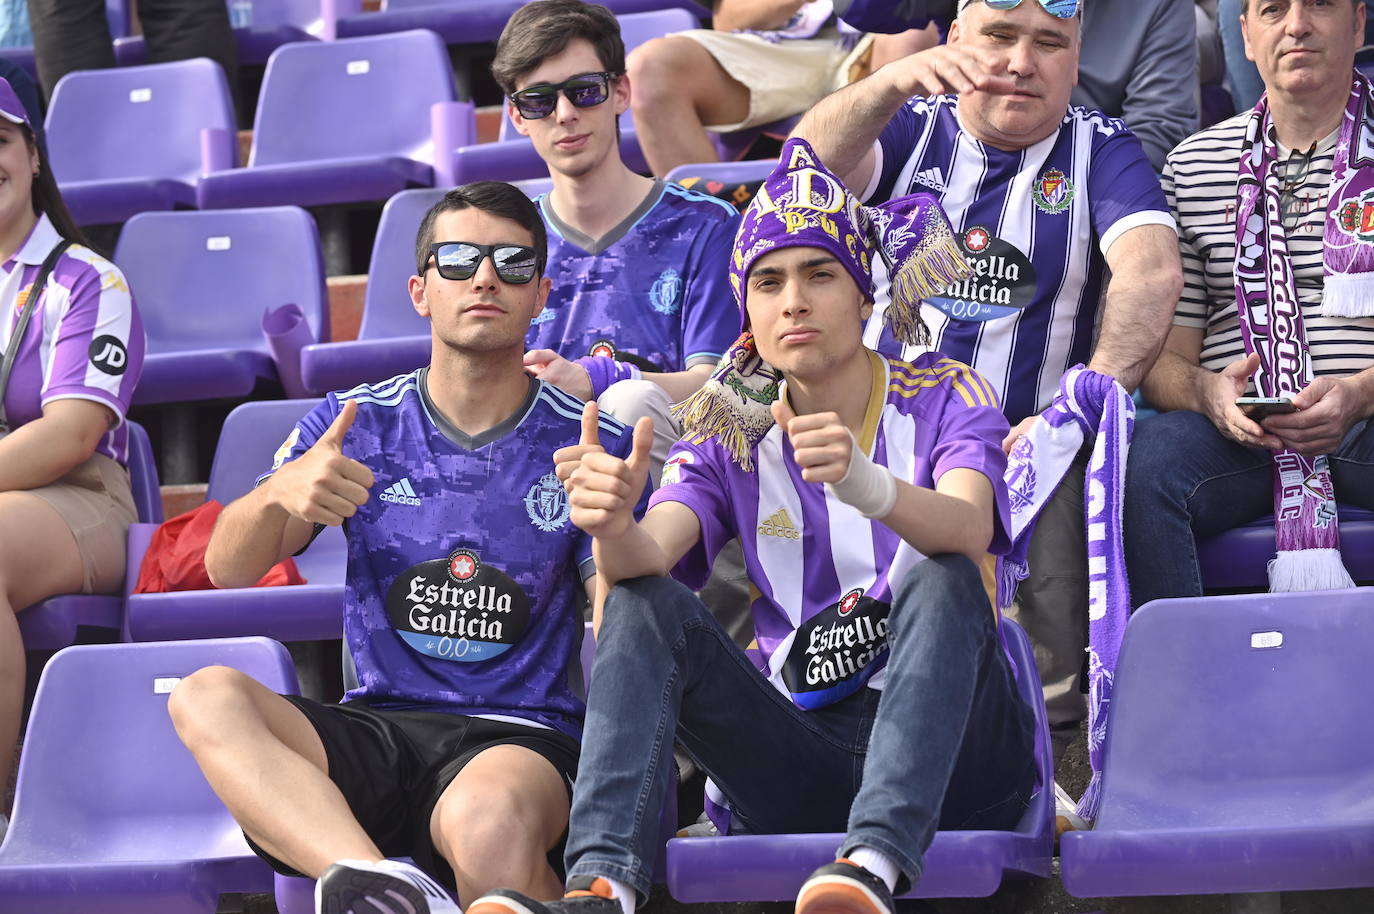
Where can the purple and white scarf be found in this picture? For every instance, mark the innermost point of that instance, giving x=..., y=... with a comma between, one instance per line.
x=1088, y=403
x=1306, y=531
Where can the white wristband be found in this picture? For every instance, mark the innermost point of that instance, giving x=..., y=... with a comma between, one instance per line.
x=866, y=486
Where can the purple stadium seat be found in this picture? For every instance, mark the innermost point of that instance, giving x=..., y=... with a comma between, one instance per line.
x=273, y=24
x=57, y=621
x=513, y=157
x=111, y=815
x=1239, y=558
x=1239, y=751
x=252, y=433
x=726, y=172
x=392, y=338
x=464, y=21
x=100, y=127
x=959, y=864
x=343, y=122
x=732, y=146
x=203, y=281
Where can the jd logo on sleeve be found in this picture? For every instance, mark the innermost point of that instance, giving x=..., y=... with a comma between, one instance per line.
x=459, y=608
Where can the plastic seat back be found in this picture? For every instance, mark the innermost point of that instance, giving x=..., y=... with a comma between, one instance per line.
x=1243, y=711
x=387, y=311
x=136, y=122
x=103, y=775
x=204, y=279
x=361, y=97
x=143, y=476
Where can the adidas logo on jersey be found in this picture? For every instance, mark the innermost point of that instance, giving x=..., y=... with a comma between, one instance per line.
x=932, y=178
x=400, y=493
x=779, y=523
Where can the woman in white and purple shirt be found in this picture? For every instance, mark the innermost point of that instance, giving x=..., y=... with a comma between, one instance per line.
x=65, y=497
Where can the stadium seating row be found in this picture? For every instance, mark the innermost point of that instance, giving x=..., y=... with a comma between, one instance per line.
x=337, y=122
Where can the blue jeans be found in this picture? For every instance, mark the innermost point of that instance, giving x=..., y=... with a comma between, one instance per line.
x=1186, y=481
x=948, y=742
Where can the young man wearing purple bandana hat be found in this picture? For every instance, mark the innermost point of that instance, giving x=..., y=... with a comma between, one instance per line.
x=1275, y=208
x=864, y=490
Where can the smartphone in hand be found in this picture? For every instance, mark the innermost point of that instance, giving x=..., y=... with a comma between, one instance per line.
x=1259, y=407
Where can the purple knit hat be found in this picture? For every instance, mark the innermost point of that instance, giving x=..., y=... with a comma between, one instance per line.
x=802, y=204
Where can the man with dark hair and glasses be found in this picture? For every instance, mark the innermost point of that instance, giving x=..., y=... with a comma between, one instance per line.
x=459, y=745
x=640, y=307
x=1073, y=245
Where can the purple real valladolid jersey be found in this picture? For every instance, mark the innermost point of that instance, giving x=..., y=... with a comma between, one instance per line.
x=655, y=286
x=824, y=573
x=463, y=567
x=1035, y=224
x=85, y=342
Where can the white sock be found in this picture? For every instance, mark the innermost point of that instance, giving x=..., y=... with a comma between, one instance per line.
x=623, y=894
x=877, y=863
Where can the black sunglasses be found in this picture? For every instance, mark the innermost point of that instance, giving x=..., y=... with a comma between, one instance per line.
x=585, y=90
x=516, y=264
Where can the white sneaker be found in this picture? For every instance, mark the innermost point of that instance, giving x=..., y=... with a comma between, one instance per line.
x=1066, y=817
x=388, y=887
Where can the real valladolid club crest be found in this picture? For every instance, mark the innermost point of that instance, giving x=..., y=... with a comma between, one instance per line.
x=547, y=503
x=1053, y=191
x=1356, y=217
x=666, y=292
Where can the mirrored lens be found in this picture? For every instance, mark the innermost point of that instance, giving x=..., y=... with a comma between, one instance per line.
x=457, y=261
x=1060, y=9
x=536, y=103
x=584, y=90
x=587, y=92
x=514, y=263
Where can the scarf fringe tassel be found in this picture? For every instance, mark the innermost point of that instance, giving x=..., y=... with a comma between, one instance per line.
x=1308, y=569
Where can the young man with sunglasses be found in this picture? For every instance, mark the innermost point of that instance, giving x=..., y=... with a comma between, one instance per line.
x=1064, y=220
x=638, y=265
x=459, y=745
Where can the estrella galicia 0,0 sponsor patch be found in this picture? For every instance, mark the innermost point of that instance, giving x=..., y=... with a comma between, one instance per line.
x=458, y=608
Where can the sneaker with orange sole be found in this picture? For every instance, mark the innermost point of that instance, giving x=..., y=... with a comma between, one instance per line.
x=585, y=895
x=844, y=887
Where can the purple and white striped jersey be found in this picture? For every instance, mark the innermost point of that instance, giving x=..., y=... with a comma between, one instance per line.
x=463, y=581
x=86, y=341
x=1035, y=224
x=823, y=573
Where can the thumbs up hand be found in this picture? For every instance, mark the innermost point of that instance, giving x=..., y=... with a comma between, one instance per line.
x=603, y=489
x=567, y=459
x=822, y=445
x=323, y=486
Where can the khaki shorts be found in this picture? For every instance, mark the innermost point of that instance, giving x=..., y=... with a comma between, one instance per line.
x=97, y=502
x=783, y=79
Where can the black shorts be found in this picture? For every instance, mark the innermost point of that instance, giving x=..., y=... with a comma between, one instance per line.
x=392, y=767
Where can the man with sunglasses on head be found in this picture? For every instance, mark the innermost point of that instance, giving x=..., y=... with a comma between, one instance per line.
x=638, y=265
x=1063, y=218
x=459, y=745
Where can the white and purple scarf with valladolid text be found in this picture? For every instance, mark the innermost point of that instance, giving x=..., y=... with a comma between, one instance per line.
x=1088, y=403
x=1306, y=531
